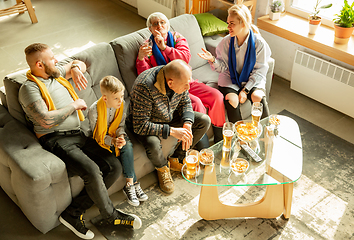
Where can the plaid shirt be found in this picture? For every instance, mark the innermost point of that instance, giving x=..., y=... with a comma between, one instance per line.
x=151, y=109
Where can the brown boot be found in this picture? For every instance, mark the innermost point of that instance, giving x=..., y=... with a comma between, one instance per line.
x=165, y=179
x=174, y=164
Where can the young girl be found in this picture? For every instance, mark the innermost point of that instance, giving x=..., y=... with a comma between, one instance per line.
x=242, y=61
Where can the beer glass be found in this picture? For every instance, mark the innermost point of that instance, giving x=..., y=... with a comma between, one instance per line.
x=225, y=159
x=257, y=109
x=148, y=44
x=192, y=159
x=228, y=132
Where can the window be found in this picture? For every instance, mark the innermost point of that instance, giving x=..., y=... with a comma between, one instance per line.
x=304, y=8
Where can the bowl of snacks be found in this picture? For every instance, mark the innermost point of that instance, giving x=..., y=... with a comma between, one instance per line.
x=206, y=156
x=274, y=119
x=247, y=131
x=239, y=165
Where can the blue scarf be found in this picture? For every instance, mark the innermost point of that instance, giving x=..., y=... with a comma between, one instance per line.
x=248, y=65
x=160, y=60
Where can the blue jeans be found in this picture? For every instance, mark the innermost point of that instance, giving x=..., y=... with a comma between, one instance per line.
x=126, y=158
x=95, y=165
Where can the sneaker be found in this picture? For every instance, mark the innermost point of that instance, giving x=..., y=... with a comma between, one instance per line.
x=120, y=218
x=129, y=191
x=76, y=225
x=140, y=193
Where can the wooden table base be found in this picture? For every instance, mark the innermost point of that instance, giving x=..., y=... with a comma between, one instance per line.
x=277, y=200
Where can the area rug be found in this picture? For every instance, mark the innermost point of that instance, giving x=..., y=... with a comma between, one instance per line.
x=322, y=207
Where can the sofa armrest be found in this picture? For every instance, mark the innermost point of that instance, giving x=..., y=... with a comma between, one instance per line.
x=34, y=178
x=3, y=97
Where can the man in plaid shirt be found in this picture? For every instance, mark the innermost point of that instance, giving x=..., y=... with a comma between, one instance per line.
x=160, y=107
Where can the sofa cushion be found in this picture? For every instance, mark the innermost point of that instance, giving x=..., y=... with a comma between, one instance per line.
x=100, y=61
x=210, y=25
x=205, y=75
x=3, y=96
x=187, y=25
x=126, y=51
x=211, y=42
x=12, y=83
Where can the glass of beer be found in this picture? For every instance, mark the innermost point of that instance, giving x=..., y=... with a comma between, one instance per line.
x=192, y=159
x=148, y=45
x=228, y=132
x=257, y=109
x=225, y=159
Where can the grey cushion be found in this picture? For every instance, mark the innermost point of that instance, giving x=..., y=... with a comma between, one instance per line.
x=12, y=83
x=211, y=42
x=187, y=25
x=100, y=62
x=205, y=75
x=126, y=51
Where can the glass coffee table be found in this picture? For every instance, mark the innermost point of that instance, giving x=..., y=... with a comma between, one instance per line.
x=280, y=167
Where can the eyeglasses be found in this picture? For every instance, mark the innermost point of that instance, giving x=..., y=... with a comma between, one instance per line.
x=155, y=24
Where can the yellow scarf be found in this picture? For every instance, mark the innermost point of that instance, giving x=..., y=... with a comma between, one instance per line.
x=46, y=96
x=101, y=125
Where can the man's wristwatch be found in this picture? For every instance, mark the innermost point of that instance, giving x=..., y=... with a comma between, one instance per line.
x=246, y=90
x=74, y=65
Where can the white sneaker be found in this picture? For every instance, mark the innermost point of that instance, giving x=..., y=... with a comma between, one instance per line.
x=140, y=193
x=129, y=191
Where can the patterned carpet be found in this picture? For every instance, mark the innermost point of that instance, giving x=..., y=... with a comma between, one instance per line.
x=322, y=208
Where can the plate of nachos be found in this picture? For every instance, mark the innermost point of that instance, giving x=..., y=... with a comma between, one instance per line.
x=247, y=131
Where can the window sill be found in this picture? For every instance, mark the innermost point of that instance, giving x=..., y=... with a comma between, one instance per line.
x=295, y=29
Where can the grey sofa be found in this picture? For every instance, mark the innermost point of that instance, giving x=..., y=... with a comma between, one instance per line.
x=35, y=179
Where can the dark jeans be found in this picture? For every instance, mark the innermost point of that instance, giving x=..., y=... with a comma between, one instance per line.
x=153, y=146
x=98, y=168
x=234, y=114
x=126, y=158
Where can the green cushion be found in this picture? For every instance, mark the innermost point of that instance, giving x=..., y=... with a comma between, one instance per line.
x=210, y=25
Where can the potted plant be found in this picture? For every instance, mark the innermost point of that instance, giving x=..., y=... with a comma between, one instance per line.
x=343, y=23
x=314, y=19
x=276, y=7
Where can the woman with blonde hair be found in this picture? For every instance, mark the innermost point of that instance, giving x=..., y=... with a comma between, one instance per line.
x=242, y=61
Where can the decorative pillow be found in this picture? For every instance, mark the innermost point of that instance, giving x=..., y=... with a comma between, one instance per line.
x=210, y=25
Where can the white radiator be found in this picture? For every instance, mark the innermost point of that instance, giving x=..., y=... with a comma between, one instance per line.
x=146, y=7
x=323, y=81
